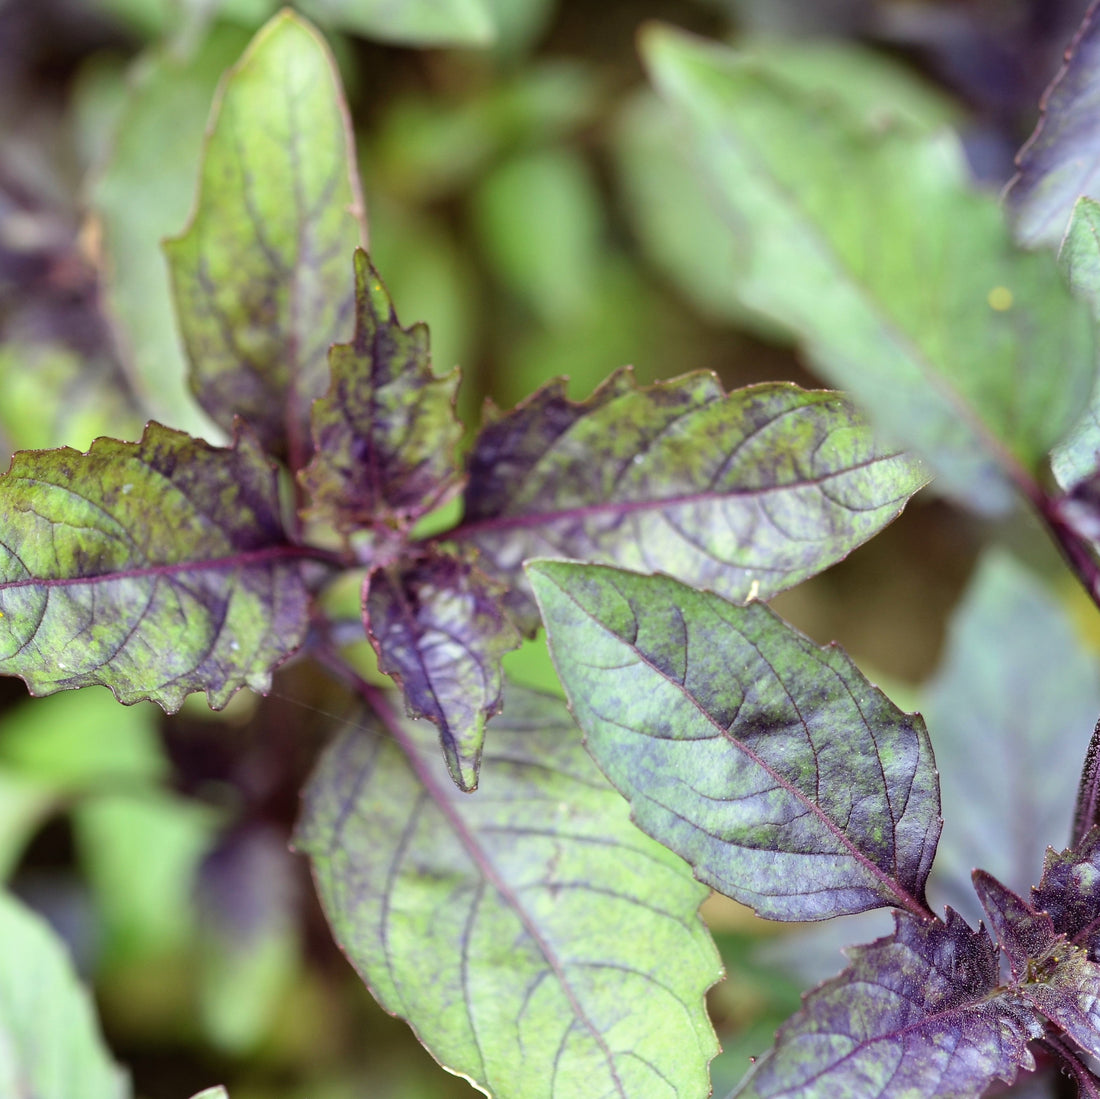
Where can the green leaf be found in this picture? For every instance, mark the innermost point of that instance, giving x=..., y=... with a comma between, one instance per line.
x=1016, y=686
x=1061, y=160
x=439, y=629
x=139, y=852
x=537, y=942
x=385, y=435
x=747, y=493
x=688, y=239
x=50, y=1045
x=25, y=804
x=548, y=262
x=54, y=397
x=260, y=274
x=1077, y=457
x=155, y=568
x=785, y=779
x=900, y=278
x=419, y=23
x=140, y=197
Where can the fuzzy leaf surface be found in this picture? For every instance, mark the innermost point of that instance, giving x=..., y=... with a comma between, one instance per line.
x=534, y=939
x=386, y=432
x=785, y=779
x=1069, y=891
x=439, y=629
x=1015, y=687
x=154, y=568
x=1055, y=976
x=754, y=491
x=912, y=1016
x=50, y=1044
x=960, y=345
x=260, y=275
x=1061, y=160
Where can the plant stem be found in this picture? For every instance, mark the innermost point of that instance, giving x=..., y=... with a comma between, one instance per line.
x=1068, y=1057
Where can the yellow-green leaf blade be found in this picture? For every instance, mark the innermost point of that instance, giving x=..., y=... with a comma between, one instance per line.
x=260, y=274
x=535, y=940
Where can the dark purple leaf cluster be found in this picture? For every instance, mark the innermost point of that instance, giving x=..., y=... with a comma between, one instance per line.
x=938, y=1008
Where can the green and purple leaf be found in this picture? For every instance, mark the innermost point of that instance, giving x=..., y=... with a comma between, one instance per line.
x=440, y=630
x=260, y=274
x=747, y=493
x=915, y=1014
x=385, y=435
x=534, y=939
x=959, y=344
x=785, y=779
x=1061, y=160
x=1051, y=974
x=154, y=568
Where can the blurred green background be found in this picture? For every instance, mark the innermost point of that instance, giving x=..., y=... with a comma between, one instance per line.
x=532, y=201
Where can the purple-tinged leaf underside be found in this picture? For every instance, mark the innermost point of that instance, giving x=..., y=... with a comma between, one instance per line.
x=785, y=779
x=260, y=275
x=1069, y=891
x=1050, y=973
x=1061, y=159
x=534, y=939
x=914, y=1015
x=1015, y=689
x=155, y=568
x=385, y=435
x=439, y=629
x=747, y=493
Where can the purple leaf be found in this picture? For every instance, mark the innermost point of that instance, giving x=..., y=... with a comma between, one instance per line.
x=385, y=434
x=784, y=778
x=747, y=493
x=439, y=629
x=1053, y=975
x=915, y=1014
x=1061, y=160
x=1023, y=932
x=1086, y=815
x=1070, y=892
x=155, y=568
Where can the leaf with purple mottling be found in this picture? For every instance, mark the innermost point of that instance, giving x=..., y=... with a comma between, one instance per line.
x=439, y=628
x=747, y=493
x=534, y=939
x=787, y=780
x=155, y=568
x=916, y=1014
x=260, y=275
x=385, y=434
